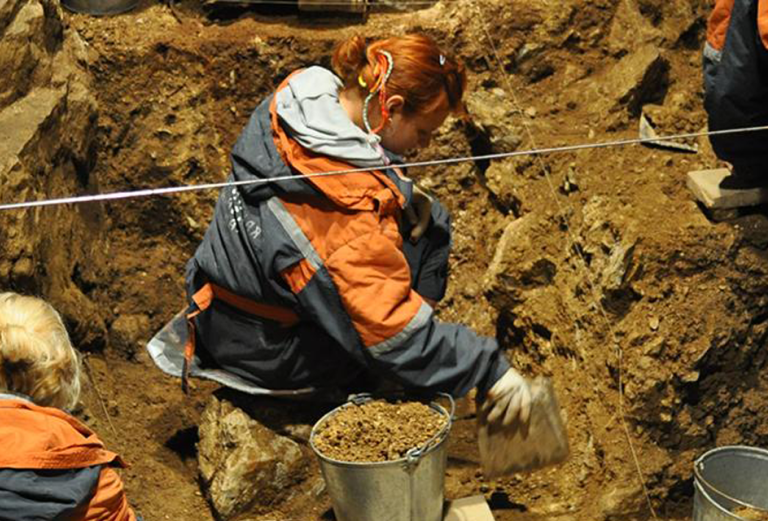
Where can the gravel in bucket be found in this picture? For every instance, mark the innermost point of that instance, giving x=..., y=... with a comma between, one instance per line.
x=378, y=431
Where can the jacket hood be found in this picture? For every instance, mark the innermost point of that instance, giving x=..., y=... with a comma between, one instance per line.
x=45, y=437
x=309, y=108
x=305, y=118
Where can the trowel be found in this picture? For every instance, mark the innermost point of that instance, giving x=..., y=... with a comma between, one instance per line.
x=648, y=132
x=505, y=451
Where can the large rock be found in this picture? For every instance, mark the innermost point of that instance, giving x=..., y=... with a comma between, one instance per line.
x=624, y=87
x=129, y=333
x=666, y=22
x=623, y=502
x=629, y=29
x=47, y=136
x=638, y=78
x=494, y=118
x=524, y=282
x=610, y=249
x=28, y=46
x=245, y=467
x=519, y=268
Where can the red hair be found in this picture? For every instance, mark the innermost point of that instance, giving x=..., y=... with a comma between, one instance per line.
x=423, y=75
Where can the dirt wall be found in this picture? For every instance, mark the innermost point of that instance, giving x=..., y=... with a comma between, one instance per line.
x=595, y=267
x=47, y=145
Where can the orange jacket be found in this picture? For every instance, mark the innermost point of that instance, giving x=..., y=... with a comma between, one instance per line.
x=330, y=249
x=35, y=438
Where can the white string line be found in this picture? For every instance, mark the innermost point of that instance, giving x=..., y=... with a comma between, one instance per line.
x=146, y=192
x=592, y=285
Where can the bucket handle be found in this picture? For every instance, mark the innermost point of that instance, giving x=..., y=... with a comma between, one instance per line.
x=722, y=510
x=413, y=456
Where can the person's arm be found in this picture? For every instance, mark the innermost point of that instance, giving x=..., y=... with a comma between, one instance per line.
x=362, y=296
x=109, y=498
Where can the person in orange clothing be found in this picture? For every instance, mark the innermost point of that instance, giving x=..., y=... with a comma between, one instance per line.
x=52, y=467
x=736, y=88
x=331, y=281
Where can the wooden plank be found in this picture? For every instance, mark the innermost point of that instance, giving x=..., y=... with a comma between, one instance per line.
x=705, y=186
x=472, y=508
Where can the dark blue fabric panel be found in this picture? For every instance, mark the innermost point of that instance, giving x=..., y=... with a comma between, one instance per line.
x=45, y=495
x=270, y=355
x=428, y=257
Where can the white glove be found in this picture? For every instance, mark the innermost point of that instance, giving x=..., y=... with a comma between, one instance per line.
x=509, y=401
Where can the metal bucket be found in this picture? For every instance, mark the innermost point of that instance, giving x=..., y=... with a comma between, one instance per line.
x=407, y=489
x=728, y=479
x=99, y=7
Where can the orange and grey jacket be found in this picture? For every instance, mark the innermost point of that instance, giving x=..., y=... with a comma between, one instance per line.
x=328, y=249
x=52, y=467
x=736, y=81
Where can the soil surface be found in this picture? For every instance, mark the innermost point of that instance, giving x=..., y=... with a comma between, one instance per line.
x=378, y=431
x=650, y=318
x=176, y=83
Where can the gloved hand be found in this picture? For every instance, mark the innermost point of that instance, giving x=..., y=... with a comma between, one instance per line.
x=419, y=212
x=508, y=403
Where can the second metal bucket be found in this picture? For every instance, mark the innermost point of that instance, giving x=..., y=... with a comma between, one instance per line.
x=407, y=489
x=729, y=481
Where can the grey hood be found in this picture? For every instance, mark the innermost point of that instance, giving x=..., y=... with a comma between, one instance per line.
x=310, y=110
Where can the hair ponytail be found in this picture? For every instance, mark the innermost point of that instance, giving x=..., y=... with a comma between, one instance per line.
x=455, y=79
x=349, y=58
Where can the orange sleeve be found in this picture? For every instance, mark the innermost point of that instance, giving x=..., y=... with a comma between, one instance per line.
x=109, y=502
x=762, y=21
x=363, y=258
x=374, y=282
x=719, y=20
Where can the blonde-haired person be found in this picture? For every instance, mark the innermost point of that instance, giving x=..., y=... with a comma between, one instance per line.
x=329, y=281
x=51, y=466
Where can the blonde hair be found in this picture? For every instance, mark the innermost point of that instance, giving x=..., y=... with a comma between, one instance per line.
x=36, y=356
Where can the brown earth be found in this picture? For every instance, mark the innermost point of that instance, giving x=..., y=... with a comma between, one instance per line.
x=378, y=431
x=594, y=268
